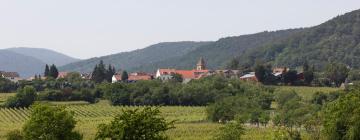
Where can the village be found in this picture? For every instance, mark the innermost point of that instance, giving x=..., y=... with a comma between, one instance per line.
x=200, y=71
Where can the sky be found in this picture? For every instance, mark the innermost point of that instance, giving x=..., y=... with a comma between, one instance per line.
x=91, y=28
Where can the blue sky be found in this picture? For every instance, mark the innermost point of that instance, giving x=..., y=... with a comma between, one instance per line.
x=89, y=28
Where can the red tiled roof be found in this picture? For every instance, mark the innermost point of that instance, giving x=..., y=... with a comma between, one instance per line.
x=139, y=77
x=186, y=74
x=62, y=74
x=135, y=77
x=10, y=74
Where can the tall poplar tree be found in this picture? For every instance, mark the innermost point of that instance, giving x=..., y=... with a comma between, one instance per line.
x=54, y=73
x=47, y=70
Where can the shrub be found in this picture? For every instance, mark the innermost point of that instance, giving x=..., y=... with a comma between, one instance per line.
x=14, y=135
x=49, y=122
x=23, y=98
x=146, y=124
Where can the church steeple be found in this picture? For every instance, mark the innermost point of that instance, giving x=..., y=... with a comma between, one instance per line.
x=201, y=64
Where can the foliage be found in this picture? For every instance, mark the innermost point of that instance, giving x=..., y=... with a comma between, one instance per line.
x=47, y=122
x=336, y=40
x=308, y=73
x=177, y=77
x=47, y=71
x=23, y=98
x=53, y=72
x=6, y=85
x=109, y=73
x=342, y=117
x=249, y=102
x=337, y=73
x=290, y=77
x=124, y=76
x=264, y=73
x=14, y=135
x=99, y=73
x=146, y=124
x=232, y=130
x=233, y=64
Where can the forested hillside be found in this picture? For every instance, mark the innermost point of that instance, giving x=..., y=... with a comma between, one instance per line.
x=336, y=40
x=218, y=53
x=137, y=58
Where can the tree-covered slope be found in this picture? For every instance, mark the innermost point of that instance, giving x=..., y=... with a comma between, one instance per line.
x=218, y=53
x=137, y=58
x=336, y=40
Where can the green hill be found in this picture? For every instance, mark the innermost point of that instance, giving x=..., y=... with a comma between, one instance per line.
x=218, y=53
x=336, y=40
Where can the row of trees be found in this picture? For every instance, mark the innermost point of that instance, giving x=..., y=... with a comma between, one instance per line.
x=156, y=92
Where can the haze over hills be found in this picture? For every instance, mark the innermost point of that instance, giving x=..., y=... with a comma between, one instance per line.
x=46, y=55
x=30, y=61
x=335, y=40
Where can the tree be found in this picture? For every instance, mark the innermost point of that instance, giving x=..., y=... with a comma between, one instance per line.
x=146, y=124
x=99, y=73
x=109, y=73
x=124, y=76
x=342, y=117
x=264, y=73
x=177, y=77
x=336, y=73
x=308, y=73
x=6, y=85
x=14, y=135
x=23, y=98
x=233, y=64
x=47, y=71
x=54, y=73
x=289, y=76
x=49, y=122
x=232, y=130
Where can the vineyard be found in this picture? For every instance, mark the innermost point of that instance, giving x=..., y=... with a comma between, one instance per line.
x=191, y=122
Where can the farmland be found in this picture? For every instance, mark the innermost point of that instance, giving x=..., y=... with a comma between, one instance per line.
x=191, y=122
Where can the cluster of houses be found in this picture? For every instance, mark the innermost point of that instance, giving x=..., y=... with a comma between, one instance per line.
x=200, y=71
x=12, y=76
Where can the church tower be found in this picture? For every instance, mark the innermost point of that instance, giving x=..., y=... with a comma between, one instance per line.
x=201, y=64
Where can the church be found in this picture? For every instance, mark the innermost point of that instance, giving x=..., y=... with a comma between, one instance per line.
x=187, y=75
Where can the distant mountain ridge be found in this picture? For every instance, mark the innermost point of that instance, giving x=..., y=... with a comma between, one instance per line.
x=45, y=55
x=130, y=60
x=30, y=61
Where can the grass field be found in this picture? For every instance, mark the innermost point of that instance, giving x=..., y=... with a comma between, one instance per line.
x=4, y=96
x=191, y=122
x=306, y=92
